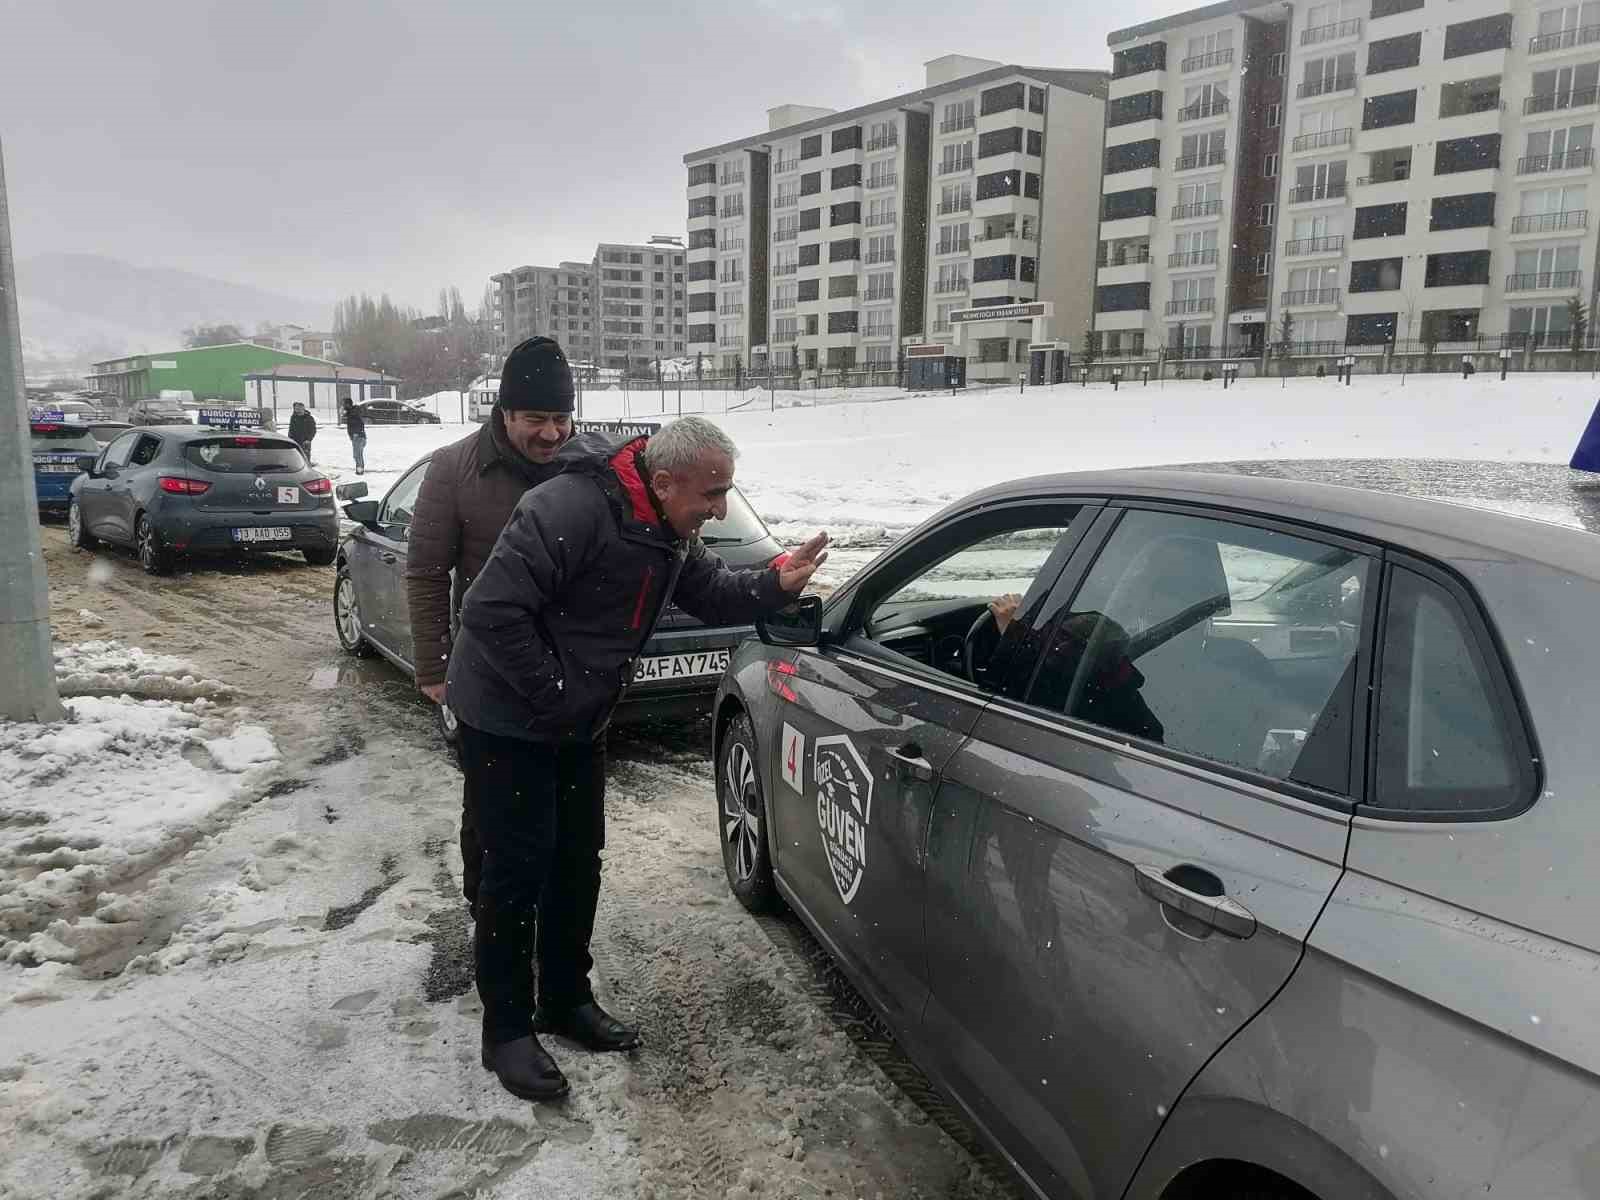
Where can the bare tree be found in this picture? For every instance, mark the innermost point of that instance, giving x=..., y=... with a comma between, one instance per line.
x=211, y=335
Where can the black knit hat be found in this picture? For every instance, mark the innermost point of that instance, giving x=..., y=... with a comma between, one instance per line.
x=536, y=376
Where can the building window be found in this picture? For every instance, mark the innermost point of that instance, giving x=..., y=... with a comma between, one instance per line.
x=845, y=320
x=811, y=183
x=808, y=289
x=1000, y=183
x=1394, y=54
x=958, y=115
x=1376, y=275
x=1000, y=99
x=811, y=147
x=811, y=255
x=841, y=287
x=1475, y=37
x=848, y=138
x=1462, y=212
x=1000, y=141
x=846, y=176
x=810, y=218
x=1274, y=116
x=1269, y=216
x=1467, y=154
x=1462, y=269
x=1269, y=166
x=1030, y=185
x=1036, y=99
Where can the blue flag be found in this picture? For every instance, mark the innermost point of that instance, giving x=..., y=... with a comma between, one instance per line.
x=1587, y=456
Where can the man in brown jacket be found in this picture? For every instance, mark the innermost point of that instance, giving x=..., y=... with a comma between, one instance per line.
x=468, y=494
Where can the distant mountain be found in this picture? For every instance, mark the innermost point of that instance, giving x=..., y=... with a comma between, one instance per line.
x=78, y=308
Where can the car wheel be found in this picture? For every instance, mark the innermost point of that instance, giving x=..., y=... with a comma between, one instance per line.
x=742, y=820
x=320, y=558
x=347, y=615
x=450, y=731
x=77, y=535
x=154, y=556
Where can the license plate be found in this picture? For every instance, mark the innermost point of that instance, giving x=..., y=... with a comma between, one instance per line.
x=681, y=666
x=265, y=533
x=56, y=468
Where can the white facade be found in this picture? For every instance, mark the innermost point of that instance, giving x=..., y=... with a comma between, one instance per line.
x=832, y=241
x=1411, y=171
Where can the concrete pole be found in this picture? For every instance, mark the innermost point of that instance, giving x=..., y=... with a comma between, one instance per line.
x=27, y=669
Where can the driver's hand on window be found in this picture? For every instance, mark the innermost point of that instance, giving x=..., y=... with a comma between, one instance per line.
x=1005, y=609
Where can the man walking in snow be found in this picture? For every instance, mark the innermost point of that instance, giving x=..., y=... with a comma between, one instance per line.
x=302, y=428
x=355, y=424
x=550, y=631
x=467, y=496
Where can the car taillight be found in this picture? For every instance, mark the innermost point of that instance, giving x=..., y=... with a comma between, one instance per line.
x=779, y=672
x=183, y=487
x=318, y=487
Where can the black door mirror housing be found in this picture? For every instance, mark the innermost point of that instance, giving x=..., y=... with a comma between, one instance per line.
x=363, y=512
x=351, y=491
x=800, y=624
x=86, y=463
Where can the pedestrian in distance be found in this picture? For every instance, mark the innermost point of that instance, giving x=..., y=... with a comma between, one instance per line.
x=468, y=493
x=355, y=424
x=550, y=632
x=302, y=428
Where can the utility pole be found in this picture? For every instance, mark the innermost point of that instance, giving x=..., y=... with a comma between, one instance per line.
x=24, y=595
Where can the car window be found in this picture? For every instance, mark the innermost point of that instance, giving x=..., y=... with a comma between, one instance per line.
x=400, y=503
x=244, y=455
x=62, y=439
x=145, y=451
x=117, y=453
x=1444, y=743
x=1222, y=640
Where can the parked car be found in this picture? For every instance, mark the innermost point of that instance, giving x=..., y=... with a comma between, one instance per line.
x=172, y=490
x=57, y=448
x=677, y=672
x=395, y=412
x=157, y=412
x=1253, y=858
x=77, y=410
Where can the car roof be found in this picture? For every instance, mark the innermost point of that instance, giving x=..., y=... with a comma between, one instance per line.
x=1445, y=528
x=191, y=433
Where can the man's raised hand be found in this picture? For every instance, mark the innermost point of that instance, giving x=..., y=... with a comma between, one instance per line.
x=802, y=564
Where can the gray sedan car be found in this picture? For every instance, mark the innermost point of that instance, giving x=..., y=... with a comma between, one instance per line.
x=1253, y=858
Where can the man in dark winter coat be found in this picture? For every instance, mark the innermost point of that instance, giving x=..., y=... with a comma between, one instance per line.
x=550, y=631
x=467, y=496
x=302, y=428
x=355, y=424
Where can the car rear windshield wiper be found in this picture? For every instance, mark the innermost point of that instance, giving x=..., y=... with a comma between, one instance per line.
x=720, y=541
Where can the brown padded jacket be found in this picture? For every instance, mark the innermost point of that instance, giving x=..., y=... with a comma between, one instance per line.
x=468, y=494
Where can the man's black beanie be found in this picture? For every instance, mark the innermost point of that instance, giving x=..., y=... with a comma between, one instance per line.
x=536, y=376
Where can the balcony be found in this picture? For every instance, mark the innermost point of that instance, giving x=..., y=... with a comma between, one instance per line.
x=1307, y=193
x=734, y=343
x=1553, y=222
x=785, y=235
x=1193, y=162
x=884, y=218
x=1206, y=108
x=729, y=178
x=1330, y=33
x=731, y=310
x=785, y=337
x=786, y=305
x=1307, y=299
x=1479, y=102
x=1544, y=281
x=736, y=210
x=949, y=287
x=1125, y=259
x=957, y=124
x=960, y=247
x=951, y=207
x=878, y=296
x=1559, y=101
x=1326, y=137
x=1319, y=245
x=887, y=142
x=1566, y=39
x=955, y=166
x=1325, y=87
x=1004, y=235
x=1205, y=62
x=878, y=256
x=785, y=268
x=1192, y=258
x=879, y=182
x=1197, y=304
x=1572, y=160
x=785, y=201
x=785, y=166
x=1205, y=208
x=1391, y=177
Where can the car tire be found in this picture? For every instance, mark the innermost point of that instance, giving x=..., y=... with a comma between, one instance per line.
x=347, y=614
x=450, y=731
x=78, y=534
x=742, y=820
x=154, y=555
x=320, y=558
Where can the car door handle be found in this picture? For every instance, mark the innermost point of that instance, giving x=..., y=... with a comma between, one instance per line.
x=911, y=762
x=387, y=556
x=1222, y=914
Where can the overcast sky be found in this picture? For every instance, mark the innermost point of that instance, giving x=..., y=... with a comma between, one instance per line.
x=319, y=149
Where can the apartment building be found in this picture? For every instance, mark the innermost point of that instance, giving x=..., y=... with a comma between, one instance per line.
x=837, y=240
x=557, y=302
x=642, y=298
x=1378, y=171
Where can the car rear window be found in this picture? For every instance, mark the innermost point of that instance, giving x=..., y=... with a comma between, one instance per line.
x=740, y=525
x=63, y=439
x=244, y=455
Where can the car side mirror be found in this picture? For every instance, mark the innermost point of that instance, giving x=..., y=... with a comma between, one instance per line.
x=363, y=512
x=86, y=463
x=351, y=491
x=800, y=624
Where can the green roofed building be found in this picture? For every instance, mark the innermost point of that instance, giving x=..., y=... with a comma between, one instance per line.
x=210, y=372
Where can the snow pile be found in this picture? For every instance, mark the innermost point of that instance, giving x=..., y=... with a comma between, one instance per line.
x=124, y=784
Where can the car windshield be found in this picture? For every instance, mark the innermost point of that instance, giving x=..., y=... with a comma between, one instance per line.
x=740, y=525
x=244, y=455
x=63, y=439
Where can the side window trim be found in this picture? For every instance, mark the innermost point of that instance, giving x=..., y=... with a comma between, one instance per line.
x=1082, y=562
x=1505, y=693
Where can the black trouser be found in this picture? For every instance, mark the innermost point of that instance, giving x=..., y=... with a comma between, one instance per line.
x=541, y=823
x=471, y=848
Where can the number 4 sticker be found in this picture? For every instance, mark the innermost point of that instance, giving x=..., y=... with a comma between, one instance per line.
x=793, y=765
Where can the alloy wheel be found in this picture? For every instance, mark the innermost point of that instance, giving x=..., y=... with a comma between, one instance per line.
x=347, y=612
x=741, y=822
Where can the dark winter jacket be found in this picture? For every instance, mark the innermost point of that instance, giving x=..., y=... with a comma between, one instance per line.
x=302, y=426
x=467, y=496
x=355, y=421
x=552, y=625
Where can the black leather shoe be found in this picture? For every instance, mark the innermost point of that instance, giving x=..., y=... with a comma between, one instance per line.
x=589, y=1025
x=525, y=1069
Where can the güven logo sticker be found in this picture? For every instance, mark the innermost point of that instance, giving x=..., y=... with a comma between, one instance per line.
x=844, y=810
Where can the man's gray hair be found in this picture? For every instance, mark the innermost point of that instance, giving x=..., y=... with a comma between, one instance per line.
x=681, y=444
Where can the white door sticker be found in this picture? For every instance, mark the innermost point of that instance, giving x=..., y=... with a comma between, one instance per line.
x=793, y=750
x=288, y=495
x=844, y=810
